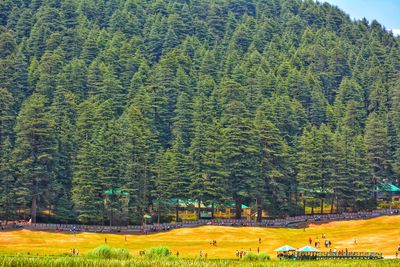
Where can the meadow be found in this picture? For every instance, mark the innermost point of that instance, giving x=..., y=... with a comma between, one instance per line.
x=40, y=248
x=6, y=261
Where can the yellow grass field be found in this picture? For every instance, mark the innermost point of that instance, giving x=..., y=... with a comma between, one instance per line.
x=379, y=234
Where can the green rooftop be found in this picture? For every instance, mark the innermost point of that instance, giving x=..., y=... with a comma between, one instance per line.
x=388, y=187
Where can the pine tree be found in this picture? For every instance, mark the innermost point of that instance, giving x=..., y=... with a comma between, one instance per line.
x=182, y=122
x=9, y=201
x=240, y=155
x=275, y=166
x=35, y=152
x=64, y=113
x=309, y=173
x=50, y=65
x=376, y=143
x=141, y=147
x=87, y=187
x=208, y=183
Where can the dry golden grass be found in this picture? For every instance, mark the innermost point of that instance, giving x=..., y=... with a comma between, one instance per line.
x=380, y=234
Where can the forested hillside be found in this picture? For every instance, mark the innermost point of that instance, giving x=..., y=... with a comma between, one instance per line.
x=244, y=101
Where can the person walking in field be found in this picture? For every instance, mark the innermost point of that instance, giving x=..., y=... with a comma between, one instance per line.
x=310, y=240
x=201, y=253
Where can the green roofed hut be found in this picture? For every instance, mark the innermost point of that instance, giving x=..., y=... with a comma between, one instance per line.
x=307, y=253
x=285, y=248
x=388, y=192
x=285, y=252
x=308, y=249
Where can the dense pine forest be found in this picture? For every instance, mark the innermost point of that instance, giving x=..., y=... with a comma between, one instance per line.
x=269, y=103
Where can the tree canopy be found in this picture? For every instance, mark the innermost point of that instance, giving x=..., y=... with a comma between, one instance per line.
x=273, y=103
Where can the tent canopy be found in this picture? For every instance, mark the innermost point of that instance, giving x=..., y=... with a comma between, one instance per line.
x=285, y=248
x=308, y=249
x=387, y=187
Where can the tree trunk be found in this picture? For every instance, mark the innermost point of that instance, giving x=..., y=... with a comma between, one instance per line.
x=238, y=211
x=212, y=210
x=158, y=213
x=304, y=206
x=337, y=205
x=322, y=206
x=259, y=214
x=34, y=208
x=199, y=210
x=177, y=211
x=332, y=203
x=111, y=215
x=312, y=210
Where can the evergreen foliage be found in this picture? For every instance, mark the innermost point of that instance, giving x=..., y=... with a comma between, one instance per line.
x=231, y=101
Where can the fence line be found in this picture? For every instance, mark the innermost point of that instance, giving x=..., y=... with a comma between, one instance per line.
x=295, y=221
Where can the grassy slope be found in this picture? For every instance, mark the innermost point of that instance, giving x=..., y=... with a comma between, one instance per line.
x=379, y=234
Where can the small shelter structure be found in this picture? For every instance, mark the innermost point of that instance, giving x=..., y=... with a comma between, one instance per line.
x=388, y=192
x=286, y=252
x=285, y=248
x=307, y=253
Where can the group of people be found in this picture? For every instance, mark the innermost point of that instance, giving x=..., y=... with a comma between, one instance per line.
x=317, y=243
x=74, y=252
x=240, y=254
x=201, y=254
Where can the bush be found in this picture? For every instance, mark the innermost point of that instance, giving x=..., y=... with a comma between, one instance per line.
x=256, y=257
x=159, y=252
x=106, y=252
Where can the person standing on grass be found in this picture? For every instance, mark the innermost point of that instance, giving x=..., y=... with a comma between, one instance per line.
x=201, y=253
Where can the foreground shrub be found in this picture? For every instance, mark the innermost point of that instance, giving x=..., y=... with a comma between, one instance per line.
x=106, y=252
x=159, y=253
x=256, y=257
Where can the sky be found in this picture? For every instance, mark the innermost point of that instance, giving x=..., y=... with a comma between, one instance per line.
x=386, y=12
